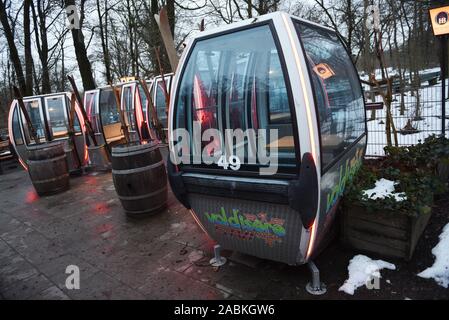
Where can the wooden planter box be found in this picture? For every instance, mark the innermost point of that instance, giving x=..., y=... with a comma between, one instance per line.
x=385, y=233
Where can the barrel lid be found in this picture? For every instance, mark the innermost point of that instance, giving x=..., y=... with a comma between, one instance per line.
x=134, y=146
x=44, y=145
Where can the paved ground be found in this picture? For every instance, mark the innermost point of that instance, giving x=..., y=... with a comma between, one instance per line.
x=161, y=257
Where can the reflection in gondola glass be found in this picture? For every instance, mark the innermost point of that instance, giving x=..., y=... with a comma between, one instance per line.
x=92, y=110
x=57, y=117
x=37, y=120
x=108, y=107
x=128, y=108
x=238, y=87
x=160, y=102
x=338, y=93
x=18, y=139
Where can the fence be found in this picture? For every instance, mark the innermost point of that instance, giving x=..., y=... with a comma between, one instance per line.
x=417, y=115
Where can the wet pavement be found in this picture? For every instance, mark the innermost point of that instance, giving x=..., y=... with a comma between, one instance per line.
x=165, y=256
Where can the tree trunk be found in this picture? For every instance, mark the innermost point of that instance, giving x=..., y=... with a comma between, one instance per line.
x=27, y=48
x=14, y=54
x=84, y=65
x=103, y=37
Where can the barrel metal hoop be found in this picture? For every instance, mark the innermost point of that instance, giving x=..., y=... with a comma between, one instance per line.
x=146, y=210
x=47, y=160
x=141, y=169
x=118, y=154
x=65, y=175
x=147, y=195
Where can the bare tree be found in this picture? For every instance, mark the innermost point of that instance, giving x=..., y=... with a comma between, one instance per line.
x=80, y=48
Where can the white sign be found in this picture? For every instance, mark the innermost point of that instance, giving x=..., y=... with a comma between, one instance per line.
x=373, y=17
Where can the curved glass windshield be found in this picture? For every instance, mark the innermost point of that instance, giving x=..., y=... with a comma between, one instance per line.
x=235, y=84
x=57, y=116
x=108, y=107
x=90, y=102
x=33, y=108
x=160, y=101
x=128, y=107
x=337, y=87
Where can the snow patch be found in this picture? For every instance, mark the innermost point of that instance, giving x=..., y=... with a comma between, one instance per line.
x=384, y=188
x=440, y=269
x=362, y=270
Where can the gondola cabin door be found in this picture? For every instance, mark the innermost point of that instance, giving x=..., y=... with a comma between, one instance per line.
x=92, y=105
x=132, y=104
x=267, y=126
x=159, y=97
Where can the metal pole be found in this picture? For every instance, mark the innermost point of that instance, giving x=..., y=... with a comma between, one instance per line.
x=443, y=84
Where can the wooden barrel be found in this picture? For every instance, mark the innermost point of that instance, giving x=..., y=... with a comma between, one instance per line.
x=48, y=168
x=140, y=178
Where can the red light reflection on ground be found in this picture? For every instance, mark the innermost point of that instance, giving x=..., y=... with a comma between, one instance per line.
x=100, y=208
x=31, y=197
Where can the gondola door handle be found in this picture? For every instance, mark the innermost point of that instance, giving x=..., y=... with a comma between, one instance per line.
x=303, y=193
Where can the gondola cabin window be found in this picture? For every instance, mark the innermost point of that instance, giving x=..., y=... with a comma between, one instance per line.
x=236, y=82
x=160, y=101
x=108, y=107
x=34, y=110
x=142, y=99
x=338, y=94
x=92, y=110
x=110, y=118
x=57, y=116
x=18, y=139
x=128, y=107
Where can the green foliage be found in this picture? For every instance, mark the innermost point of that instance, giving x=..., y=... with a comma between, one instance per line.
x=418, y=189
x=417, y=171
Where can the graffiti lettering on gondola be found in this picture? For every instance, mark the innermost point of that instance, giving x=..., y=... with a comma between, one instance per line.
x=248, y=226
x=346, y=173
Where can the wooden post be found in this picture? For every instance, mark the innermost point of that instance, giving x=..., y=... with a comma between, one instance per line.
x=87, y=123
x=167, y=37
x=443, y=40
x=72, y=129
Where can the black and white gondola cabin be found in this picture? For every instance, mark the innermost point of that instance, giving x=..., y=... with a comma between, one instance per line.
x=101, y=108
x=49, y=115
x=272, y=72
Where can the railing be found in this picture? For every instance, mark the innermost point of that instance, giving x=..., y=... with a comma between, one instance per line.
x=416, y=116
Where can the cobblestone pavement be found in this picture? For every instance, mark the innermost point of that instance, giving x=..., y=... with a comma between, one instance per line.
x=159, y=257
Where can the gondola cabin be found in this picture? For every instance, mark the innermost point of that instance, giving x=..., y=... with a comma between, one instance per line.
x=267, y=125
x=49, y=115
x=101, y=108
x=161, y=85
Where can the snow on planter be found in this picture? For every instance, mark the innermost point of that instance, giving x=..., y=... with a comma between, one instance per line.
x=383, y=189
x=440, y=269
x=362, y=270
